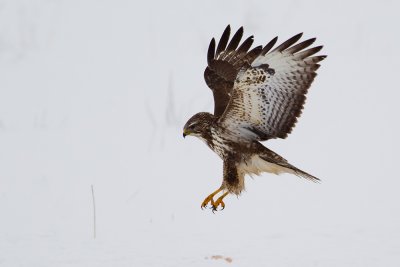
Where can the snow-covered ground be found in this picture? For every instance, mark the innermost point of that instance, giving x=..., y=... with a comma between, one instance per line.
x=96, y=93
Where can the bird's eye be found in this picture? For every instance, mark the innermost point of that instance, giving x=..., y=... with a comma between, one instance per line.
x=191, y=127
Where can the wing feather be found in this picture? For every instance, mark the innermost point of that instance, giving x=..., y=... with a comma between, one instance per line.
x=268, y=96
x=224, y=63
x=246, y=45
x=233, y=44
x=288, y=42
x=224, y=39
x=301, y=46
x=268, y=46
x=309, y=52
x=211, y=51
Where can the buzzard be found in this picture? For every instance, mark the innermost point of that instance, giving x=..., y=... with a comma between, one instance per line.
x=258, y=95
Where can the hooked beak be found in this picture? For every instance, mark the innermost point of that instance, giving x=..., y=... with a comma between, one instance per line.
x=185, y=132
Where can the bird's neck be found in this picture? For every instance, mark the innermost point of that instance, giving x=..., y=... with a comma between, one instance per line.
x=219, y=142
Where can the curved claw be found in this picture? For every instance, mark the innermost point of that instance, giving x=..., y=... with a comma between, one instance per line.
x=214, y=204
x=219, y=202
x=209, y=199
x=215, y=207
x=206, y=201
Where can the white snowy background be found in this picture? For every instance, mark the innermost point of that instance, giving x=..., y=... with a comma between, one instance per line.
x=96, y=93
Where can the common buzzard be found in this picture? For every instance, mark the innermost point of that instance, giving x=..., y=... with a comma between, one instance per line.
x=258, y=95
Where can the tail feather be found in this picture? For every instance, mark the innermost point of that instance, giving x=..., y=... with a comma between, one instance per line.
x=303, y=174
x=273, y=157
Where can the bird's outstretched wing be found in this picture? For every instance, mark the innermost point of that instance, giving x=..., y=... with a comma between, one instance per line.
x=224, y=63
x=268, y=96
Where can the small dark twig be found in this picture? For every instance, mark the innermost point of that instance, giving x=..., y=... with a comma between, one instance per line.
x=94, y=215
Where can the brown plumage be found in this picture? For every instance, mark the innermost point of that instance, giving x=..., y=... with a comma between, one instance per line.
x=258, y=95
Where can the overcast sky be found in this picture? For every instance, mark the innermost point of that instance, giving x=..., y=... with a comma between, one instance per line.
x=97, y=92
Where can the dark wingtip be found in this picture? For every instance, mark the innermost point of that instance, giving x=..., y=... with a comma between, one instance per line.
x=253, y=53
x=308, y=42
x=224, y=39
x=320, y=46
x=245, y=46
x=309, y=52
x=268, y=46
x=300, y=46
x=298, y=36
x=316, y=49
x=211, y=52
x=233, y=44
x=288, y=42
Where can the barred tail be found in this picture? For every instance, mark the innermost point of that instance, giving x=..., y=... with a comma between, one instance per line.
x=270, y=156
x=303, y=174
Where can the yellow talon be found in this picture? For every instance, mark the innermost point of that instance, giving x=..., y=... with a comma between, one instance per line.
x=220, y=201
x=210, y=199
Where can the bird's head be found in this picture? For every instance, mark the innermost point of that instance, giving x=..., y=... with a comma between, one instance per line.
x=198, y=125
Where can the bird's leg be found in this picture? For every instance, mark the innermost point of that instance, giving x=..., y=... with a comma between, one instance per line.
x=210, y=199
x=219, y=201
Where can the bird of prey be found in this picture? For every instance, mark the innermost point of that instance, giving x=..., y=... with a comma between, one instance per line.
x=258, y=95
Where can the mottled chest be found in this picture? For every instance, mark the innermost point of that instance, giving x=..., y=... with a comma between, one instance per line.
x=220, y=144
